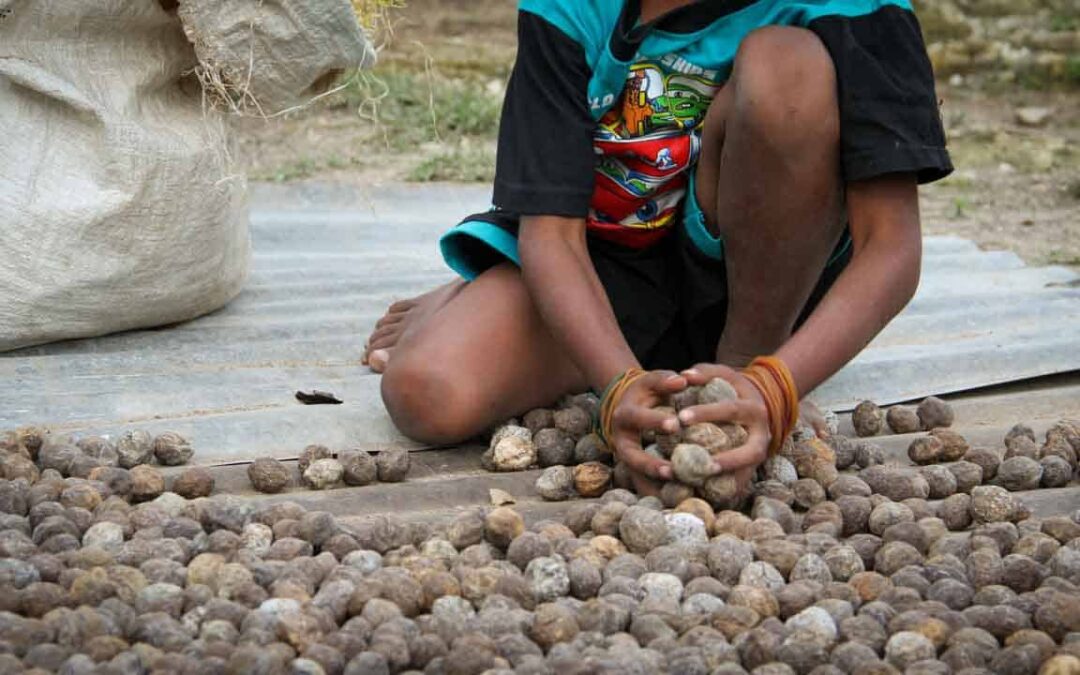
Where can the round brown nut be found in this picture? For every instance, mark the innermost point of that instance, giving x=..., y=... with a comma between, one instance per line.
x=146, y=483
x=574, y=421
x=925, y=450
x=953, y=445
x=723, y=492
x=867, y=419
x=553, y=447
x=194, y=482
x=592, y=479
x=902, y=420
x=323, y=473
x=312, y=453
x=172, y=449
x=556, y=484
x=359, y=466
x=986, y=459
x=717, y=390
x=268, y=475
x=392, y=464
x=692, y=464
x=540, y=418
x=708, y=436
x=502, y=525
x=673, y=493
x=934, y=413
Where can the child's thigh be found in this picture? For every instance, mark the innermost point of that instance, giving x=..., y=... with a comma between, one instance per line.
x=483, y=357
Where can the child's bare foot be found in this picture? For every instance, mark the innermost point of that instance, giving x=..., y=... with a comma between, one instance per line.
x=401, y=317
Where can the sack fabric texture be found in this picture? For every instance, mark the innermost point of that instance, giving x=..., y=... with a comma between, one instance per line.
x=119, y=203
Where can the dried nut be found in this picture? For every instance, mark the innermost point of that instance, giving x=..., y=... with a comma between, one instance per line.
x=268, y=475
x=684, y=399
x=673, y=493
x=868, y=419
x=359, y=467
x=502, y=525
x=323, y=473
x=934, y=413
x=723, y=492
x=902, y=420
x=574, y=421
x=992, y=504
x=556, y=483
x=708, y=436
x=692, y=464
x=540, y=418
x=925, y=450
x=953, y=445
x=172, y=449
x=146, y=483
x=553, y=447
x=1019, y=473
x=717, y=390
x=592, y=479
x=392, y=464
x=513, y=453
x=590, y=449
x=194, y=482
x=134, y=448
x=643, y=529
x=310, y=454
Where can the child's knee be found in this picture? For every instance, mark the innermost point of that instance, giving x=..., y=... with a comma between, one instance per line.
x=785, y=84
x=429, y=403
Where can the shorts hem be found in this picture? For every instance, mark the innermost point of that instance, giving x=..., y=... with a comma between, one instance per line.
x=452, y=245
x=694, y=222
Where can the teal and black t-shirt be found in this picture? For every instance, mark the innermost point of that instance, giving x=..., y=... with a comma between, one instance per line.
x=603, y=114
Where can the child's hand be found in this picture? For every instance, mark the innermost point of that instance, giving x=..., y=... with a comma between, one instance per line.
x=749, y=411
x=634, y=414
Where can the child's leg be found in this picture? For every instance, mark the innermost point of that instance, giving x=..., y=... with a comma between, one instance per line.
x=769, y=182
x=480, y=357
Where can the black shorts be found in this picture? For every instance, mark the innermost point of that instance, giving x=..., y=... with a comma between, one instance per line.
x=670, y=300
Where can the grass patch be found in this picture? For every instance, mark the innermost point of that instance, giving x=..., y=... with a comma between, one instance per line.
x=961, y=206
x=1072, y=70
x=409, y=109
x=1060, y=257
x=459, y=164
x=1060, y=23
x=301, y=168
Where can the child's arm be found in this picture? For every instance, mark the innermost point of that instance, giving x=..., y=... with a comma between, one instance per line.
x=878, y=282
x=562, y=281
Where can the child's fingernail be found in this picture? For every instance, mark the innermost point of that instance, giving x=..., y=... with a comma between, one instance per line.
x=690, y=372
x=686, y=417
x=664, y=472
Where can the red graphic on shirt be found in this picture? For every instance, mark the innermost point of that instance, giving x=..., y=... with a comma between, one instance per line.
x=646, y=145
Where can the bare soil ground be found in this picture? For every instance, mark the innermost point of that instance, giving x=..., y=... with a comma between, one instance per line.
x=429, y=111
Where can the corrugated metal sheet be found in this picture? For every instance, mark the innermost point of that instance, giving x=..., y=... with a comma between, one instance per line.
x=328, y=259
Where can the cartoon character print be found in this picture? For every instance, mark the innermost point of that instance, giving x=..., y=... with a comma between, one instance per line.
x=646, y=144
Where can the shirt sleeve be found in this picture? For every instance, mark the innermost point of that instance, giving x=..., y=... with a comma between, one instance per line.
x=545, y=161
x=889, y=116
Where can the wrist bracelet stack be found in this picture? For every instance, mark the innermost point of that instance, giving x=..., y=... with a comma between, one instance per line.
x=777, y=387
x=609, y=400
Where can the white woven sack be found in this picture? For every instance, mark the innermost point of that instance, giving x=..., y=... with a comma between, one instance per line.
x=119, y=207
x=264, y=56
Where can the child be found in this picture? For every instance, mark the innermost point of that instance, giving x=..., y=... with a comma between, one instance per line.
x=679, y=183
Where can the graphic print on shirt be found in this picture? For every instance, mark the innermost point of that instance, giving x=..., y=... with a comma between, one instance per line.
x=646, y=146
